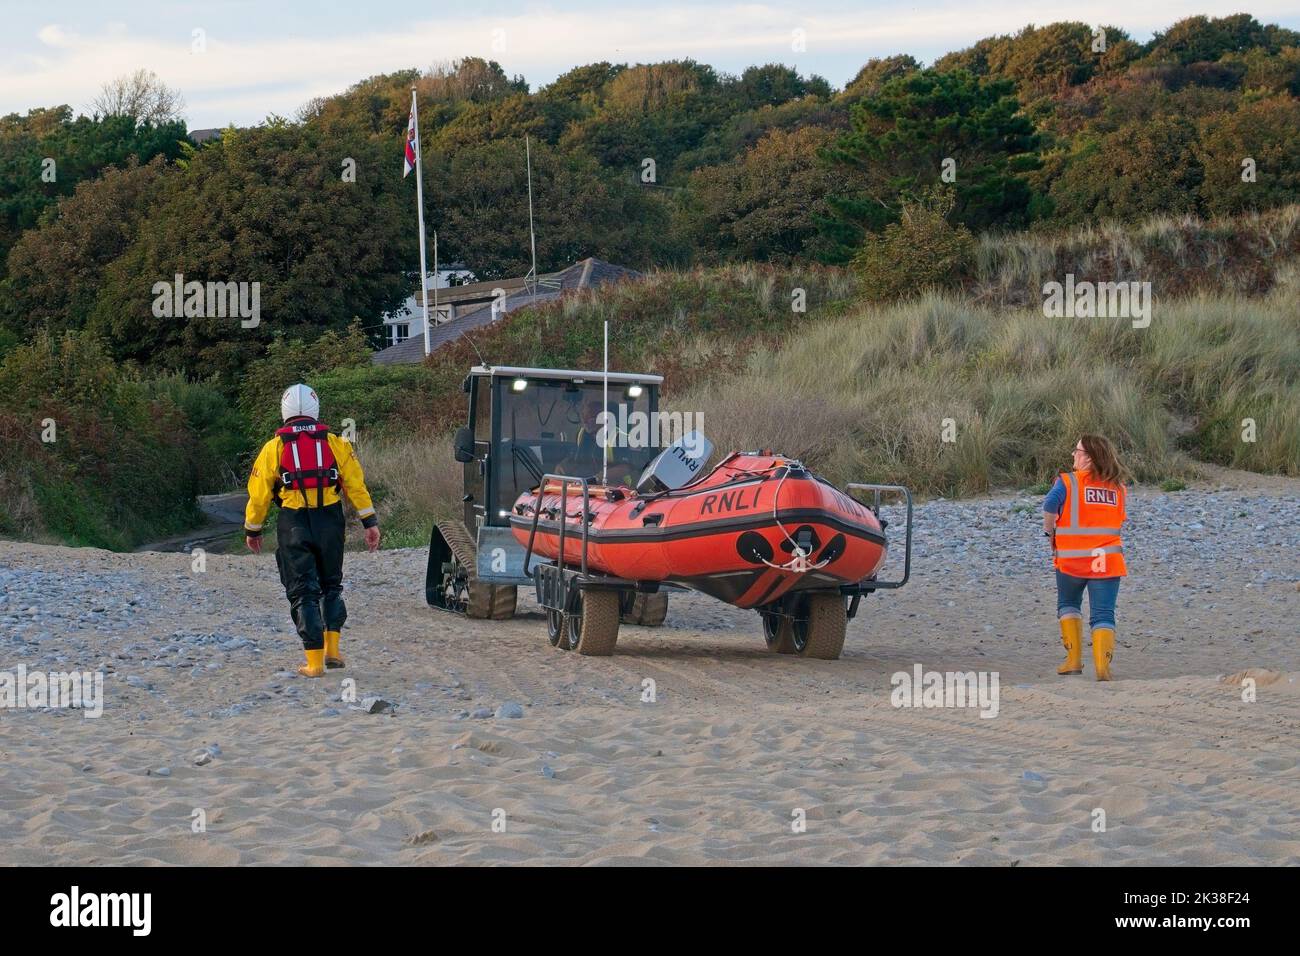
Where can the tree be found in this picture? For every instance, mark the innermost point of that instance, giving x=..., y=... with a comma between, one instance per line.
x=46, y=153
x=770, y=85
x=471, y=78
x=1265, y=132
x=266, y=206
x=904, y=138
x=1141, y=169
x=1203, y=39
x=140, y=95
x=876, y=72
x=921, y=251
x=764, y=205
x=55, y=270
x=580, y=210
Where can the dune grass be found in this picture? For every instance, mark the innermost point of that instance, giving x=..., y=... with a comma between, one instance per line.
x=872, y=396
x=1182, y=256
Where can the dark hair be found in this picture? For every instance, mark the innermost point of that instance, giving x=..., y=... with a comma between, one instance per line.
x=1105, y=460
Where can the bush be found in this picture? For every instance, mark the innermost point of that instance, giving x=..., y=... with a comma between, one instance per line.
x=124, y=465
x=288, y=361
x=922, y=252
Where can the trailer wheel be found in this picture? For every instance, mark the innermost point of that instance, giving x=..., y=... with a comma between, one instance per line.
x=778, y=632
x=593, y=624
x=648, y=610
x=819, y=628
x=557, y=629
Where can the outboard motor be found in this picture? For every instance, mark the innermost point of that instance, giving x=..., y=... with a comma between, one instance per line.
x=677, y=465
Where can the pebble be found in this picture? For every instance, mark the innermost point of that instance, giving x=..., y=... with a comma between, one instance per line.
x=376, y=705
x=147, y=628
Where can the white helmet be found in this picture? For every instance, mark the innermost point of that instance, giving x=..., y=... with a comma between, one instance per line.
x=299, y=401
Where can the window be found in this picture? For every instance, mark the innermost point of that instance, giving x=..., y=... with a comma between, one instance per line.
x=398, y=332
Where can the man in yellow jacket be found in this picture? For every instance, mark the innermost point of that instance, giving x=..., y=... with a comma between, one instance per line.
x=306, y=470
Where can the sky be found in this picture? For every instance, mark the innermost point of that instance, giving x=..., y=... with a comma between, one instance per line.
x=250, y=59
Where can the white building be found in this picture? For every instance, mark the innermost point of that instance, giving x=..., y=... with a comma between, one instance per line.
x=408, y=320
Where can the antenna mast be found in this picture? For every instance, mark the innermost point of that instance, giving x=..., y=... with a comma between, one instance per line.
x=530, y=280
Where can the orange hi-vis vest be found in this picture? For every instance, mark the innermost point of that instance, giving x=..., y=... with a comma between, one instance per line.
x=1088, y=541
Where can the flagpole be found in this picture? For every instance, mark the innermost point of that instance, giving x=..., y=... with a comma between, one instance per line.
x=419, y=199
x=532, y=235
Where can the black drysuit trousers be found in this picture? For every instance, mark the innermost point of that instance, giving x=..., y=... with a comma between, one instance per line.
x=309, y=552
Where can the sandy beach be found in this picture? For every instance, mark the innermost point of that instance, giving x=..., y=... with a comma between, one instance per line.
x=743, y=757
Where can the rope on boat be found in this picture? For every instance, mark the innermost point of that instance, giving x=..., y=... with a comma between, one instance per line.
x=798, y=562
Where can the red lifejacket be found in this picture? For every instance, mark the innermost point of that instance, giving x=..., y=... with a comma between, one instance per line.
x=1088, y=543
x=306, y=461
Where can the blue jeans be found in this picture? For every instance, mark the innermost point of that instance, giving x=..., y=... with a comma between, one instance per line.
x=1102, y=594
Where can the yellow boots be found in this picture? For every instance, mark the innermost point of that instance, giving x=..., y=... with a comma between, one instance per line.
x=1072, y=638
x=315, y=666
x=327, y=656
x=1103, y=650
x=333, y=658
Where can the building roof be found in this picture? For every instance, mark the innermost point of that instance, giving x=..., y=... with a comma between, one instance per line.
x=474, y=302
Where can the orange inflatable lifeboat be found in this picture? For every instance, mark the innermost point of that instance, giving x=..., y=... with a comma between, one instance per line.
x=758, y=531
x=750, y=531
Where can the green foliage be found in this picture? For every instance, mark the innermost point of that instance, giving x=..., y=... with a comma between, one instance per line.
x=922, y=252
x=579, y=210
x=56, y=269
x=901, y=138
x=124, y=465
x=266, y=205
x=1137, y=171
x=289, y=361
x=1268, y=132
x=876, y=73
x=765, y=207
x=1202, y=39
x=81, y=149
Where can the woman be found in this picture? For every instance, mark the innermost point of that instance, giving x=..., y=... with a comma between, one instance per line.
x=1082, y=516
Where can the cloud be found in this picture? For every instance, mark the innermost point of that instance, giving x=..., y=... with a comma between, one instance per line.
x=52, y=35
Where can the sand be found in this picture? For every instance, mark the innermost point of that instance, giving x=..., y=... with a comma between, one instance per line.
x=744, y=757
